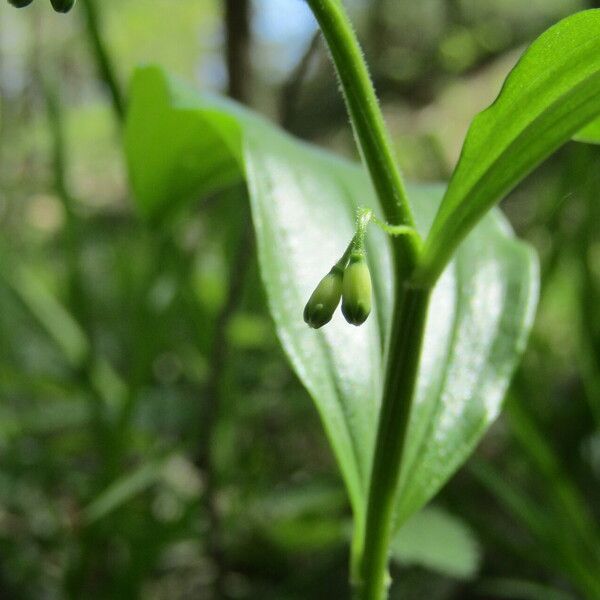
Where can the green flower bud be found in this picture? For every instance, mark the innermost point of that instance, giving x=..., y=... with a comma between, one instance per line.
x=62, y=6
x=325, y=299
x=20, y=3
x=356, y=299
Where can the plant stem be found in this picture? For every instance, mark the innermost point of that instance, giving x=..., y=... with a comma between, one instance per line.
x=72, y=225
x=408, y=328
x=104, y=64
x=290, y=91
x=365, y=114
x=370, y=554
x=78, y=301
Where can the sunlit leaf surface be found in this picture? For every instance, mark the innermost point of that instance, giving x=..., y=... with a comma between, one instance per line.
x=550, y=95
x=181, y=145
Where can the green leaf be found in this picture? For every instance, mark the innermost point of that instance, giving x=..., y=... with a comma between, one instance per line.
x=309, y=518
x=47, y=418
x=520, y=589
x=551, y=94
x=438, y=541
x=303, y=203
x=589, y=134
x=51, y=315
x=126, y=487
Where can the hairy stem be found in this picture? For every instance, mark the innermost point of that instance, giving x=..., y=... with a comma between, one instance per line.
x=371, y=546
x=365, y=113
x=371, y=578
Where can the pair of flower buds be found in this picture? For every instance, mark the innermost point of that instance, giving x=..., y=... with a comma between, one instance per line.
x=62, y=6
x=351, y=284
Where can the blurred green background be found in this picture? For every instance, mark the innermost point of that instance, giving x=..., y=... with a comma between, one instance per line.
x=154, y=443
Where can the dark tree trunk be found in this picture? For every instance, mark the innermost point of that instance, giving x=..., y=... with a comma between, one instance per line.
x=237, y=33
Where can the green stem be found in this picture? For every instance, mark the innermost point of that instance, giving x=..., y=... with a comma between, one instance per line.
x=398, y=230
x=104, y=64
x=365, y=114
x=358, y=239
x=371, y=546
x=55, y=121
x=403, y=360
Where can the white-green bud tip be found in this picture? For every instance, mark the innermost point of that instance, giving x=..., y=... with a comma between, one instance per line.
x=357, y=290
x=324, y=300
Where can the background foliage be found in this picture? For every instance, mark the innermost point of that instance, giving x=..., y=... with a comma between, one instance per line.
x=153, y=441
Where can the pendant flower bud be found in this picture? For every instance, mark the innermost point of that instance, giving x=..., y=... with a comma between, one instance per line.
x=20, y=3
x=357, y=290
x=62, y=6
x=325, y=299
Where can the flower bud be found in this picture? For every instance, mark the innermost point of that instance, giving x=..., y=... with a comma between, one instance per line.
x=62, y=6
x=20, y=3
x=356, y=299
x=325, y=299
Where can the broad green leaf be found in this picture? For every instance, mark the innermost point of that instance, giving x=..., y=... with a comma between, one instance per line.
x=438, y=541
x=550, y=95
x=303, y=202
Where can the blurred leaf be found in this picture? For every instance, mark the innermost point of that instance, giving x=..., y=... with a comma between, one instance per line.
x=47, y=418
x=306, y=535
x=203, y=166
x=517, y=589
x=302, y=519
x=571, y=515
x=514, y=499
x=553, y=91
x=561, y=551
x=109, y=385
x=180, y=146
x=438, y=541
x=125, y=489
x=249, y=331
x=48, y=311
x=299, y=502
x=17, y=381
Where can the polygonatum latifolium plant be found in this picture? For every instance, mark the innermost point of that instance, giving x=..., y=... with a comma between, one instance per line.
x=479, y=284
x=304, y=203
x=405, y=396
